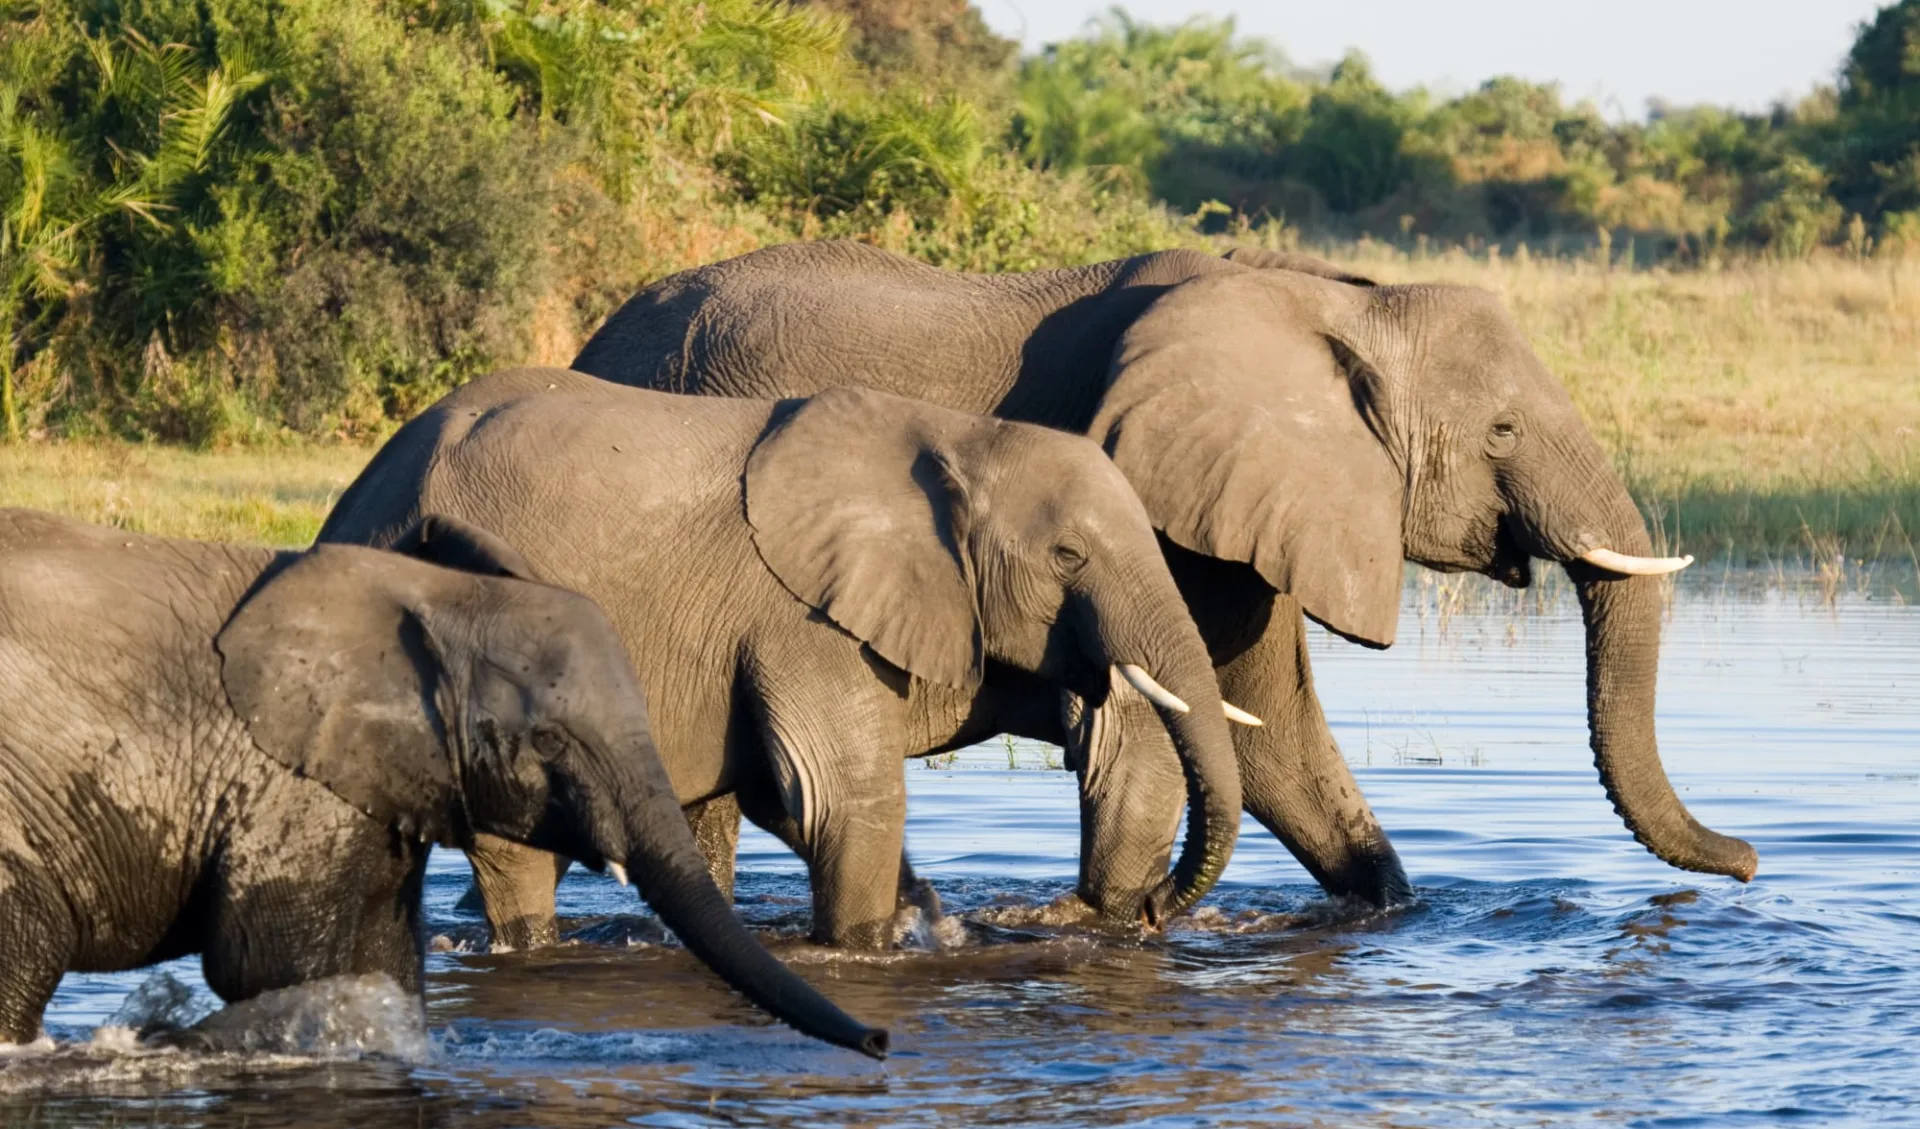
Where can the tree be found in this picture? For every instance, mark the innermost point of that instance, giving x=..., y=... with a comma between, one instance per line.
x=1352, y=149
x=1875, y=140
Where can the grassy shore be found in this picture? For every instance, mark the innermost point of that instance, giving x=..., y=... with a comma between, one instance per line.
x=264, y=496
x=1767, y=411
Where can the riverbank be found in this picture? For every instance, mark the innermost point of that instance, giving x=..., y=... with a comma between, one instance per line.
x=1763, y=412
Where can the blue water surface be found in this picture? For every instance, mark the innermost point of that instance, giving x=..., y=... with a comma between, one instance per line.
x=1550, y=973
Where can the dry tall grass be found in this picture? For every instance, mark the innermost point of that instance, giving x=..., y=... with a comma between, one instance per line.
x=1770, y=409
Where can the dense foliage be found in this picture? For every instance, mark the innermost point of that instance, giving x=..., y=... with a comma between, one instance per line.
x=222, y=219
x=1201, y=115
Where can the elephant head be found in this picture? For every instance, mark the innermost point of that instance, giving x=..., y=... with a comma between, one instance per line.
x=441, y=691
x=947, y=541
x=1324, y=431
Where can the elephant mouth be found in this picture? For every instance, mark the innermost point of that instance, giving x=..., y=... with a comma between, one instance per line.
x=1510, y=563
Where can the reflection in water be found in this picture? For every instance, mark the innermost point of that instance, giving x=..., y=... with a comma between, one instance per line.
x=1551, y=972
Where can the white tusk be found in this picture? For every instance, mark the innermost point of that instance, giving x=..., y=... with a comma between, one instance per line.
x=619, y=872
x=1235, y=713
x=1152, y=691
x=1635, y=566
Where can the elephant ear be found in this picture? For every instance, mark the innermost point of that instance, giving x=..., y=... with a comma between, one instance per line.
x=336, y=678
x=1260, y=258
x=858, y=507
x=452, y=543
x=1249, y=431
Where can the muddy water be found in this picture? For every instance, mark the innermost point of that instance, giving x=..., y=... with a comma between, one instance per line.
x=1551, y=973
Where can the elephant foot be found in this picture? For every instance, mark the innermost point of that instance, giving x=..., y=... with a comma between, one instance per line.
x=927, y=929
x=523, y=933
x=518, y=934
x=918, y=920
x=918, y=893
x=1129, y=911
x=1070, y=909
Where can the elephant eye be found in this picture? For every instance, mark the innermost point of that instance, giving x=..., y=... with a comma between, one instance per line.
x=1503, y=437
x=550, y=741
x=1068, y=556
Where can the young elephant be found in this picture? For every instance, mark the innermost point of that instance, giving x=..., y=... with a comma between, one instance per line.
x=814, y=590
x=247, y=754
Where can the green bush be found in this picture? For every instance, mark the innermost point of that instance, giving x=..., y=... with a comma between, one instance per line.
x=226, y=216
x=221, y=220
x=897, y=152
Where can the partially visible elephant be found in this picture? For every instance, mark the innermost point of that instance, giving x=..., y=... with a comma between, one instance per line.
x=813, y=590
x=247, y=754
x=1295, y=432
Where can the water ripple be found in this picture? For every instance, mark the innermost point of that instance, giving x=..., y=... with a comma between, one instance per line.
x=1549, y=972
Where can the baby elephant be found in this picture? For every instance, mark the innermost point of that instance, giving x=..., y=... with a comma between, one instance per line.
x=246, y=754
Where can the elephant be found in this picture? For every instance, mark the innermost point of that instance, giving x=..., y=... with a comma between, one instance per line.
x=247, y=754
x=1295, y=431
x=813, y=591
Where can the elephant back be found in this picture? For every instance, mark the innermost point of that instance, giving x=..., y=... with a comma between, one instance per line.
x=797, y=319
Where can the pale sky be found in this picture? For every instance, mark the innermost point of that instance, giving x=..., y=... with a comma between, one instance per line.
x=1620, y=53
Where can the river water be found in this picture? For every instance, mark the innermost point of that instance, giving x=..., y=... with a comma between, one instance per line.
x=1550, y=973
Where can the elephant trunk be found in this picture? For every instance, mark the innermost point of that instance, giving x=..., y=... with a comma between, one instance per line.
x=1622, y=616
x=1165, y=647
x=665, y=862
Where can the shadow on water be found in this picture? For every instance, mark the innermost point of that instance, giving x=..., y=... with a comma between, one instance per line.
x=1550, y=972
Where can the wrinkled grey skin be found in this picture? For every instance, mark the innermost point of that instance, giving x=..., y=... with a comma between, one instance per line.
x=1294, y=431
x=813, y=590
x=247, y=754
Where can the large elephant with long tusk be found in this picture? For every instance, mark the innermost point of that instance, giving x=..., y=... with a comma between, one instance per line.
x=1295, y=431
x=811, y=590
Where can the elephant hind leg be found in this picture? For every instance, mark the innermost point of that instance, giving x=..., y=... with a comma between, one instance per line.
x=38, y=942
x=716, y=827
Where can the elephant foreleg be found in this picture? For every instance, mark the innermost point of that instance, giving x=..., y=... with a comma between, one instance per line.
x=1292, y=776
x=847, y=809
x=351, y=907
x=37, y=943
x=768, y=815
x=917, y=892
x=515, y=884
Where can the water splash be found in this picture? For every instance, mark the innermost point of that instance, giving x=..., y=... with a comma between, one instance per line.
x=497, y=1043
x=160, y=1003
x=916, y=928
x=168, y=1034
x=344, y=1017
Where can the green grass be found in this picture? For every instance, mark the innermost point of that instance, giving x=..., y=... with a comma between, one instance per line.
x=269, y=496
